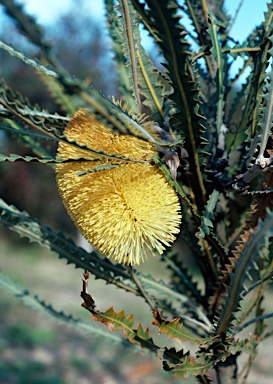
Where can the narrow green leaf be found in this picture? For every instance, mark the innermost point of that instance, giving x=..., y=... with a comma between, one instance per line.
x=194, y=366
x=190, y=367
x=57, y=91
x=266, y=124
x=32, y=62
x=29, y=159
x=247, y=257
x=98, y=168
x=120, y=60
x=151, y=86
x=129, y=24
x=175, y=329
x=198, y=14
x=28, y=138
x=219, y=79
x=208, y=214
x=186, y=121
x=252, y=116
x=117, y=321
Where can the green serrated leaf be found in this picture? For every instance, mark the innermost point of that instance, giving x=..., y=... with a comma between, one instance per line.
x=252, y=116
x=29, y=159
x=266, y=123
x=151, y=87
x=219, y=79
x=142, y=76
x=247, y=256
x=117, y=321
x=57, y=91
x=98, y=168
x=175, y=329
x=28, y=138
x=190, y=367
x=120, y=62
x=36, y=64
x=208, y=214
x=129, y=33
x=163, y=19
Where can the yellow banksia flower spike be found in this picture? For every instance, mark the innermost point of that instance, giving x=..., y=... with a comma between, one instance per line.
x=126, y=212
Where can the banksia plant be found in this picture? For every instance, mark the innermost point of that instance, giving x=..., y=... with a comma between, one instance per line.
x=177, y=168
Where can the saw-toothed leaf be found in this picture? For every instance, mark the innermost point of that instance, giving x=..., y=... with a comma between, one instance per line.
x=187, y=122
x=268, y=21
x=248, y=252
x=190, y=367
x=267, y=119
x=117, y=321
x=140, y=70
x=194, y=366
x=171, y=355
x=36, y=64
x=28, y=159
x=120, y=62
x=252, y=115
x=28, y=138
x=19, y=106
x=262, y=116
x=208, y=214
x=129, y=24
x=143, y=338
x=219, y=78
x=57, y=91
x=199, y=17
x=175, y=329
x=150, y=86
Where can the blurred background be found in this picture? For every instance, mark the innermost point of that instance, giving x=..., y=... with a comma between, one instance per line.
x=33, y=348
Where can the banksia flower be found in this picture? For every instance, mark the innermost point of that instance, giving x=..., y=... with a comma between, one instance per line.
x=126, y=210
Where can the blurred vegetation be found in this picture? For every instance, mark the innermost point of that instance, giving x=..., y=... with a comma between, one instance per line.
x=203, y=136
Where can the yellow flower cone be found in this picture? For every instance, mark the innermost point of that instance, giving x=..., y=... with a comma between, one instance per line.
x=127, y=212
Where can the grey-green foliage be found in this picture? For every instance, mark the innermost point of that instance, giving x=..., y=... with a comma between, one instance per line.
x=192, y=107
